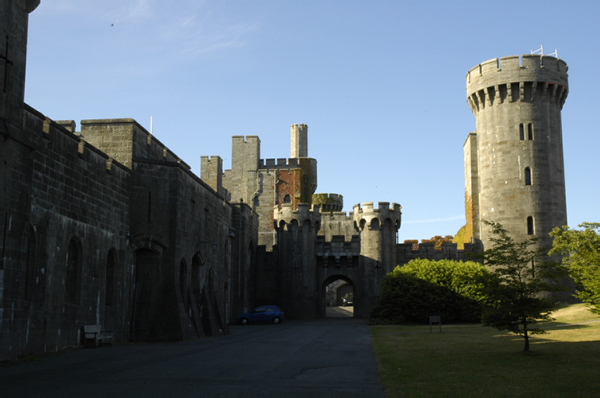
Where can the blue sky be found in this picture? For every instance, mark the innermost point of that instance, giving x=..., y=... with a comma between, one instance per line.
x=381, y=85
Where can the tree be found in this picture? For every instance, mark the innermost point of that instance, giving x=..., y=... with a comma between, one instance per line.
x=516, y=298
x=413, y=292
x=582, y=250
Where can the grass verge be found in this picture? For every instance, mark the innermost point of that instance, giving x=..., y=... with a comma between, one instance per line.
x=471, y=360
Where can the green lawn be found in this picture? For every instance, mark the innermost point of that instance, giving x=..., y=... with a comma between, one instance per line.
x=471, y=360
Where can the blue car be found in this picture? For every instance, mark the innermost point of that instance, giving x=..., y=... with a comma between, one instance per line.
x=263, y=313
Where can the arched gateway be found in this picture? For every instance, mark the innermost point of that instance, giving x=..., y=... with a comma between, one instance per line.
x=308, y=262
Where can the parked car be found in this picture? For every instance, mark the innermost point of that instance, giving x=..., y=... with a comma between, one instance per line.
x=347, y=302
x=263, y=313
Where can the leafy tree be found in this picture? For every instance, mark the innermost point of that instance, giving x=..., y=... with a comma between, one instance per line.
x=582, y=250
x=466, y=278
x=516, y=297
x=421, y=288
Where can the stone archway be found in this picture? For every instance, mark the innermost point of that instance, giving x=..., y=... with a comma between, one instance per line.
x=337, y=297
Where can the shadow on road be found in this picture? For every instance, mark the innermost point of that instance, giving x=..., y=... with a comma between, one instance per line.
x=339, y=312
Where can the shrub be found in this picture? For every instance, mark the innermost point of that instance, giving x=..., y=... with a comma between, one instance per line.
x=451, y=289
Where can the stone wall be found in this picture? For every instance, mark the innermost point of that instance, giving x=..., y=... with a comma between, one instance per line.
x=66, y=219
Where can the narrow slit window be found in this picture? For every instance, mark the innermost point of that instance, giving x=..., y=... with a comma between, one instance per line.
x=73, y=273
x=530, y=131
x=149, y=206
x=530, y=229
x=527, y=176
x=110, y=278
x=521, y=132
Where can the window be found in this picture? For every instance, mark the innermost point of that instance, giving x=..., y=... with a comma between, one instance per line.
x=73, y=274
x=521, y=132
x=530, y=131
x=110, y=278
x=287, y=199
x=527, y=176
x=530, y=230
x=30, y=269
x=183, y=277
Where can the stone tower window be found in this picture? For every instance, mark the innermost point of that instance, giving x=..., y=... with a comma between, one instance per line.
x=527, y=176
x=530, y=229
x=521, y=132
x=530, y=131
x=287, y=199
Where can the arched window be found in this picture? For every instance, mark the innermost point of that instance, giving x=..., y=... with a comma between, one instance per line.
x=211, y=281
x=73, y=274
x=530, y=229
x=530, y=131
x=30, y=268
x=110, y=278
x=197, y=263
x=521, y=132
x=183, y=278
x=287, y=199
x=527, y=176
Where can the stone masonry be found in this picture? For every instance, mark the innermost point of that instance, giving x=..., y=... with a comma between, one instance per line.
x=514, y=171
x=106, y=226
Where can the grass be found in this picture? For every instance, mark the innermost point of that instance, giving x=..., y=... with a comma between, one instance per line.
x=471, y=360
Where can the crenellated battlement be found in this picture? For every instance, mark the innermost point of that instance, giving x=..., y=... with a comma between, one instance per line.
x=447, y=251
x=336, y=216
x=125, y=139
x=337, y=247
x=386, y=210
x=85, y=150
x=303, y=213
x=279, y=163
x=250, y=139
x=329, y=202
x=512, y=79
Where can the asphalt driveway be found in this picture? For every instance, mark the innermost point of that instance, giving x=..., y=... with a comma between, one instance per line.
x=329, y=357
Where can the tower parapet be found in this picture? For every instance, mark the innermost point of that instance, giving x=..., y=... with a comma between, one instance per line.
x=501, y=80
x=367, y=213
x=304, y=212
x=329, y=202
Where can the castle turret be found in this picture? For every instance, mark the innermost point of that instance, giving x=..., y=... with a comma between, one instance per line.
x=296, y=235
x=212, y=173
x=14, y=19
x=328, y=202
x=377, y=229
x=299, y=146
x=514, y=161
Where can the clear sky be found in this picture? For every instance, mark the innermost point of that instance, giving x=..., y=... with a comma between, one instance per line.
x=380, y=84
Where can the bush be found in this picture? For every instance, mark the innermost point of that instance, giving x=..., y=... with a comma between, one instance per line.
x=451, y=289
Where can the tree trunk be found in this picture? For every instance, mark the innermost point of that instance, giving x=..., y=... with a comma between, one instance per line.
x=525, y=335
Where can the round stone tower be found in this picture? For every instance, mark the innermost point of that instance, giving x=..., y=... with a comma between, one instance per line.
x=299, y=145
x=514, y=172
x=296, y=235
x=377, y=228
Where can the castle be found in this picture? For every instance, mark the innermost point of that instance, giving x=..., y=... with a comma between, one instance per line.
x=106, y=226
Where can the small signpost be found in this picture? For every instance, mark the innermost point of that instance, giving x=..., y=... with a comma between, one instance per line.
x=433, y=319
